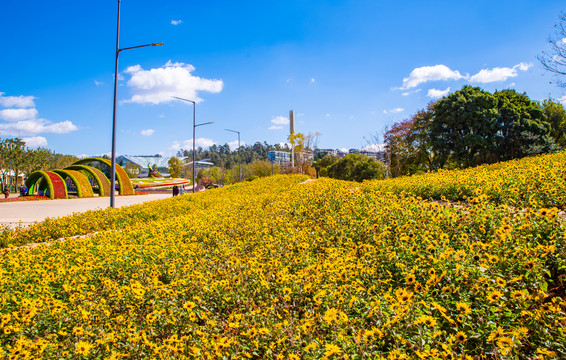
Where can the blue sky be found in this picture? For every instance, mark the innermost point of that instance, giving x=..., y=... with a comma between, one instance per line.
x=349, y=69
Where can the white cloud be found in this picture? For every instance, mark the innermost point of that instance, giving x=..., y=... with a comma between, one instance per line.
x=393, y=111
x=275, y=127
x=328, y=115
x=147, y=132
x=35, y=141
x=16, y=101
x=563, y=100
x=437, y=94
x=498, y=73
x=36, y=126
x=280, y=120
x=176, y=22
x=234, y=144
x=204, y=142
x=407, y=93
x=430, y=73
x=21, y=121
x=17, y=114
x=313, y=80
x=159, y=85
x=188, y=144
x=98, y=83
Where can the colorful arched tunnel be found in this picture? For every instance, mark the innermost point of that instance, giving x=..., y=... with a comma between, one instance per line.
x=85, y=178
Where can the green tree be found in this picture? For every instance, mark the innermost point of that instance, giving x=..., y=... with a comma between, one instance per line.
x=355, y=167
x=322, y=165
x=36, y=159
x=523, y=129
x=14, y=151
x=556, y=117
x=60, y=161
x=262, y=168
x=464, y=127
x=175, y=167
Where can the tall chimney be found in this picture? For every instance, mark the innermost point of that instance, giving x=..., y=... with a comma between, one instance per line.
x=292, y=120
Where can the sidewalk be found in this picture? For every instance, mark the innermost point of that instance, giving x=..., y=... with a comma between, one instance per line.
x=28, y=212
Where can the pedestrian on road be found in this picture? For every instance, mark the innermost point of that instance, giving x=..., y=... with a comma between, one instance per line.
x=6, y=192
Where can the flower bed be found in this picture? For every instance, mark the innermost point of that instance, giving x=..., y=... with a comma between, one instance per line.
x=162, y=184
x=24, y=198
x=274, y=268
x=278, y=269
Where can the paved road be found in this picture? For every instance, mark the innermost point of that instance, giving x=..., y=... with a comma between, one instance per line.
x=28, y=212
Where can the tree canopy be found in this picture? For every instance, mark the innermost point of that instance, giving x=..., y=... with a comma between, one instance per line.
x=355, y=167
x=472, y=126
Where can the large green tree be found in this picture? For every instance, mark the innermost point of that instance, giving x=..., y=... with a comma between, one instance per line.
x=472, y=126
x=523, y=129
x=464, y=128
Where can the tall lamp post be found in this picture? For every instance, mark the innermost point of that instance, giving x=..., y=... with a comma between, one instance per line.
x=194, y=131
x=239, y=158
x=118, y=50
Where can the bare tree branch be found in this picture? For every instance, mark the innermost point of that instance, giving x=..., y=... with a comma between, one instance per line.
x=554, y=60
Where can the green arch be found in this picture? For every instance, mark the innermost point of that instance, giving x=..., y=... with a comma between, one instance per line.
x=81, y=182
x=99, y=177
x=126, y=187
x=55, y=192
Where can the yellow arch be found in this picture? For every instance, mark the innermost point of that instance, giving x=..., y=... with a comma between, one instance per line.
x=84, y=189
x=126, y=187
x=99, y=177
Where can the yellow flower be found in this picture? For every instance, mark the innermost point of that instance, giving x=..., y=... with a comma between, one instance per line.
x=498, y=333
x=331, y=349
x=494, y=296
x=83, y=348
x=410, y=279
x=427, y=320
x=461, y=337
x=464, y=308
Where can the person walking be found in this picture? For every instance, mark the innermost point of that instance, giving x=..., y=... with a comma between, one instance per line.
x=175, y=190
x=6, y=191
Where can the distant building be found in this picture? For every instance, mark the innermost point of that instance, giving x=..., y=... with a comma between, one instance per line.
x=376, y=152
x=324, y=152
x=144, y=162
x=305, y=156
x=279, y=157
x=200, y=164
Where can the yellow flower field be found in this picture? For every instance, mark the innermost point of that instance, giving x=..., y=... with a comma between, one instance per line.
x=538, y=181
x=280, y=269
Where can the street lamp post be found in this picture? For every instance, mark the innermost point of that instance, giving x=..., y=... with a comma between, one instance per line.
x=118, y=50
x=194, y=131
x=239, y=158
